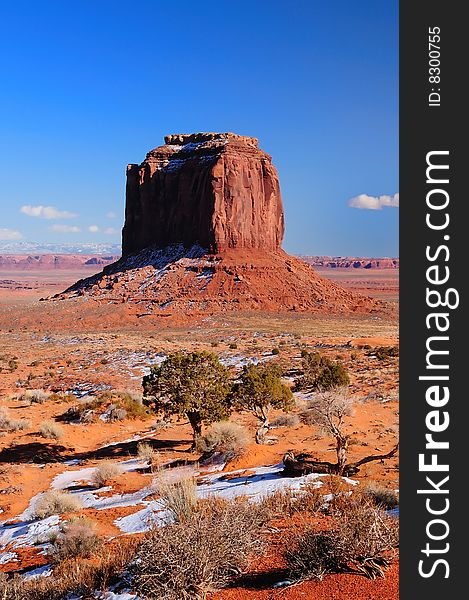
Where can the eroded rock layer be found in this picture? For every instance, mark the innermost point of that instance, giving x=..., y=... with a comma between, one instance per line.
x=218, y=190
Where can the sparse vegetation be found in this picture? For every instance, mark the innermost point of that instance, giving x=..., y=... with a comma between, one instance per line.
x=51, y=430
x=105, y=473
x=380, y=495
x=115, y=413
x=179, y=495
x=33, y=396
x=55, y=502
x=362, y=538
x=74, y=576
x=384, y=352
x=229, y=438
x=146, y=452
x=233, y=346
x=194, y=385
x=328, y=410
x=201, y=555
x=259, y=390
x=286, y=420
x=129, y=402
x=10, y=425
x=321, y=373
x=78, y=538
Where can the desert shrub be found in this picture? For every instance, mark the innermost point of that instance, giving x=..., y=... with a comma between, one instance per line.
x=320, y=372
x=279, y=503
x=381, y=496
x=362, y=538
x=77, y=538
x=74, y=577
x=233, y=346
x=115, y=413
x=10, y=425
x=161, y=425
x=146, y=452
x=213, y=344
x=276, y=351
x=286, y=420
x=309, y=499
x=131, y=402
x=105, y=473
x=286, y=502
x=18, y=588
x=55, y=502
x=384, y=352
x=82, y=577
x=313, y=553
x=229, y=438
x=178, y=494
x=62, y=397
x=191, y=559
x=33, y=396
x=51, y=430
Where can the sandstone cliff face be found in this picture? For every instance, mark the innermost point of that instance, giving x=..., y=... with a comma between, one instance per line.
x=218, y=190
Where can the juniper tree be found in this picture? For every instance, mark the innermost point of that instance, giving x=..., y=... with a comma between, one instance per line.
x=194, y=385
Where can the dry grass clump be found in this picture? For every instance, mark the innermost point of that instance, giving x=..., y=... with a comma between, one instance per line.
x=285, y=503
x=362, y=539
x=51, y=430
x=178, y=494
x=74, y=577
x=56, y=502
x=131, y=402
x=225, y=437
x=115, y=413
x=105, y=473
x=381, y=496
x=78, y=538
x=146, y=452
x=191, y=559
x=286, y=420
x=9, y=425
x=33, y=396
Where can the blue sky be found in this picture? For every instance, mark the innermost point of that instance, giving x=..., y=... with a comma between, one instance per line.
x=91, y=86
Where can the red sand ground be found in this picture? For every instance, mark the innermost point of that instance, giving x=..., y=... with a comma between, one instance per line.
x=42, y=350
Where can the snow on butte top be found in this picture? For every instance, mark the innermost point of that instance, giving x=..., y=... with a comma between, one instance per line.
x=180, y=139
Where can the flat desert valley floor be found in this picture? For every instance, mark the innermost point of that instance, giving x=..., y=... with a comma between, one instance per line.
x=43, y=347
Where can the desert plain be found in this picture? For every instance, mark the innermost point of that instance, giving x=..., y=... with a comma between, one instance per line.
x=78, y=349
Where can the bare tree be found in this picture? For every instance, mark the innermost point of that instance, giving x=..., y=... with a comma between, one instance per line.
x=330, y=410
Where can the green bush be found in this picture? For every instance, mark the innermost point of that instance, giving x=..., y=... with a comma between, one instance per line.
x=322, y=373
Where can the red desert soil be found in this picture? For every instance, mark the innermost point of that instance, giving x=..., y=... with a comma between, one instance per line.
x=67, y=344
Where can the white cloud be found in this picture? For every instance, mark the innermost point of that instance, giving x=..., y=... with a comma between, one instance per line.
x=373, y=202
x=93, y=228
x=46, y=212
x=57, y=228
x=110, y=231
x=9, y=234
x=111, y=215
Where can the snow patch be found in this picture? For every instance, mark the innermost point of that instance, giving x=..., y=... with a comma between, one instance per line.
x=7, y=557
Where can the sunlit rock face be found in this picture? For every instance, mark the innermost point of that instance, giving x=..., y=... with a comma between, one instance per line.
x=218, y=190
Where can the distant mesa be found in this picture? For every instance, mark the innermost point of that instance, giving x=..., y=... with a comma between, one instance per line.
x=350, y=262
x=204, y=225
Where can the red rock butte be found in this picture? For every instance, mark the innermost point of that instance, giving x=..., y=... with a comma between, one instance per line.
x=218, y=190
x=203, y=230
